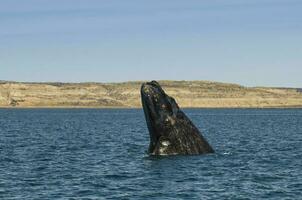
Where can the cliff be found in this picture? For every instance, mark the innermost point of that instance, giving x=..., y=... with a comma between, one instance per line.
x=127, y=95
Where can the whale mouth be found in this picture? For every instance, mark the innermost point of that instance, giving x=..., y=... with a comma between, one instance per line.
x=158, y=107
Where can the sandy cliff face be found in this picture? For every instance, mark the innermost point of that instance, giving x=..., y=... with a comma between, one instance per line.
x=186, y=93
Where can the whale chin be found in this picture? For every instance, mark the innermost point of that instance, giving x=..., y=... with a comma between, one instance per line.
x=171, y=131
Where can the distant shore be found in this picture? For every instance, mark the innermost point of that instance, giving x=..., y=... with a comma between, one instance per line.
x=189, y=94
x=137, y=108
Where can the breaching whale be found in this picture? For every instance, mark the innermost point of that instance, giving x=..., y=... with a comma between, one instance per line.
x=171, y=131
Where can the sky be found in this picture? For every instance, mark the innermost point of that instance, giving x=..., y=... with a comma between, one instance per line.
x=252, y=43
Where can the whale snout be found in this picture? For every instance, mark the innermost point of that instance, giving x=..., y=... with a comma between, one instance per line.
x=150, y=89
x=146, y=89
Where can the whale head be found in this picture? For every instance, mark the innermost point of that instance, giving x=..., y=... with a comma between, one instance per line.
x=171, y=131
x=160, y=111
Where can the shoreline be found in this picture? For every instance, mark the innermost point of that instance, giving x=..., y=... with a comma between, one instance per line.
x=188, y=94
x=137, y=108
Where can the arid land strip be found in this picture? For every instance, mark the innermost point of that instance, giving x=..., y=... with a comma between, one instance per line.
x=190, y=94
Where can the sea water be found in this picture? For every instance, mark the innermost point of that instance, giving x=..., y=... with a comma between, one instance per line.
x=101, y=154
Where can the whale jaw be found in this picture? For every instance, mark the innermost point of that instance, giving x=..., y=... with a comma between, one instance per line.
x=171, y=131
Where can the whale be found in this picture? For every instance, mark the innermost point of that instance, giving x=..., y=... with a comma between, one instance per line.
x=171, y=131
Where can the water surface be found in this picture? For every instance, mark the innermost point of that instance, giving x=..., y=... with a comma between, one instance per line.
x=101, y=154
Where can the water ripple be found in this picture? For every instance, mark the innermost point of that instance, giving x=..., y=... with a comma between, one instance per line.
x=101, y=154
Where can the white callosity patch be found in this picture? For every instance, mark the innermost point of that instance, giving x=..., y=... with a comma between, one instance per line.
x=163, y=147
x=171, y=120
x=165, y=143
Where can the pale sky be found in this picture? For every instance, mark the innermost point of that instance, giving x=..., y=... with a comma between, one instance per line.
x=253, y=43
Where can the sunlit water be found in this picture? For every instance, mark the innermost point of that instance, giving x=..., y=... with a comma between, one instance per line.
x=101, y=154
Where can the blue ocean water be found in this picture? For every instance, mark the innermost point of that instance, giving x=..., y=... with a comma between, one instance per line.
x=101, y=154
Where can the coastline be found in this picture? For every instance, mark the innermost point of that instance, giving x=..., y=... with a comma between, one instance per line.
x=136, y=108
x=126, y=95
